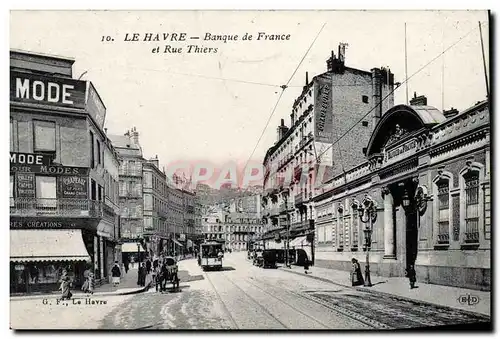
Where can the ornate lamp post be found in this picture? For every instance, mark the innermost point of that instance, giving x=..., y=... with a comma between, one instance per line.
x=367, y=215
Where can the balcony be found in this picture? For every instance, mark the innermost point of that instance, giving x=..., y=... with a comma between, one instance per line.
x=286, y=207
x=77, y=208
x=130, y=172
x=304, y=224
x=299, y=200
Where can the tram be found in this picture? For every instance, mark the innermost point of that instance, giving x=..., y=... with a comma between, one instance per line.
x=210, y=255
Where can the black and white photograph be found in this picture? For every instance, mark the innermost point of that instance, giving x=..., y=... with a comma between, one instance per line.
x=238, y=170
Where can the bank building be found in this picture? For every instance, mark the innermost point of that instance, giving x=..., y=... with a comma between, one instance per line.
x=421, y=197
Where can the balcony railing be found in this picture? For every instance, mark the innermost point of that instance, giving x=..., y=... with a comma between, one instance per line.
x=130, y=172
x=56, y=207
x=300, y=224
x=444, y=232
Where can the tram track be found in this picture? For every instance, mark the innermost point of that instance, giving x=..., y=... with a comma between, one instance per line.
x=334, y=308
x=234, y=323
x=255, y=301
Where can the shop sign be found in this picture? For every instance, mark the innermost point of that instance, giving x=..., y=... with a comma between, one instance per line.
x=54, y=170
x=49, y=223
x=323, y=119
x=30, y=159
x=74, y=187
x=95, y=106
x=34, y=88
x=25, y=185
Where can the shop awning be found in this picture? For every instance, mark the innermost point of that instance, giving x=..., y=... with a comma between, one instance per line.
x=131, y=247
x=178, y=243
x=298, y=241
x=47, y=245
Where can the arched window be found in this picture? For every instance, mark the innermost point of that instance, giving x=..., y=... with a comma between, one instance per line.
x=355, y=225
x=442, y=216
x=471, y=204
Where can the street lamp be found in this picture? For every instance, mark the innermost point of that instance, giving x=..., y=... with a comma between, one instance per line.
x=287, y=244
x=367, y=215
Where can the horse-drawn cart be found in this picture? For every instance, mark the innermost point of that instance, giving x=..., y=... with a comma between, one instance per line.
x=169, y=274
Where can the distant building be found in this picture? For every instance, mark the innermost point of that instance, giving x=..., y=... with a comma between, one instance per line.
x=130, y=192
x=63, y=176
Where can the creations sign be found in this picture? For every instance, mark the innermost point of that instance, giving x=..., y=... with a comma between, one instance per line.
x=323, y=118
x=49, y=223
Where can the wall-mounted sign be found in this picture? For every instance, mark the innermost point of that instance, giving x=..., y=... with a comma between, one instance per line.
x=73, y=187
x=323, y=116
x=51, y=223
x=25, y=185
x=33, y=88
x=54, y=170
x=30, y=159
x=95, y=106
x=412, y=144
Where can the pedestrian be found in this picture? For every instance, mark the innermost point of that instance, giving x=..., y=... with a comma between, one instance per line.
x=126, y=266
x=306, y=266
x=65, y=286
x=148, y=266
x=116, y=274
x=412, y=275
x=90, y=283
x=356, y=275
x=139, y=275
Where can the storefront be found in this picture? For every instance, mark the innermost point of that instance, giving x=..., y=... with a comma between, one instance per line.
x=38, y=258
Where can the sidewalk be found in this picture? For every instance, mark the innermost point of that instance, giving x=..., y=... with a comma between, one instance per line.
x=128, y=285
x=398, y=286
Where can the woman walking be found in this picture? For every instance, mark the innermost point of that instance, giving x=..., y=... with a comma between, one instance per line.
x=116, y=274
x=65, y=286
x=356, y=275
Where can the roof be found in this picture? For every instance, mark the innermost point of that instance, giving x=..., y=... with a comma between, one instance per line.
x=429, y=114
x=122, y=141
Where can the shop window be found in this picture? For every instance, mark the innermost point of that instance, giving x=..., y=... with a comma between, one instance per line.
x=44, y=136
x=355, y=227
x=443, y=193
x=46, y=192
x=471, y=234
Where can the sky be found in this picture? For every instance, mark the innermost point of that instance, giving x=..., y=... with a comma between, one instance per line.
x=183, y=113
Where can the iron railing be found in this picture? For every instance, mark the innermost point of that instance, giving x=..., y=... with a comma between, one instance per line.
x=56, y=207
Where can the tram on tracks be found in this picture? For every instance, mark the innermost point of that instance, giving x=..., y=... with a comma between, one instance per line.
x=210, y=255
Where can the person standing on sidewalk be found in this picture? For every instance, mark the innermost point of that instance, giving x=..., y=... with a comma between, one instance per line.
x=148, y=266
x=412, y=275
x=126, y=266
x=65, y=286
x=356, y=274
x=116, y=274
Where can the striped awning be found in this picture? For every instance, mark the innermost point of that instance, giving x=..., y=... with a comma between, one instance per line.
x=47, y=245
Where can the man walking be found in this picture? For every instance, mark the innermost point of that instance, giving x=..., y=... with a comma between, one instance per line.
x=116, y=274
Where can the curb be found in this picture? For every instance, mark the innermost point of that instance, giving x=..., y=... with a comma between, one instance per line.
x=98, y=294
x=386, y=294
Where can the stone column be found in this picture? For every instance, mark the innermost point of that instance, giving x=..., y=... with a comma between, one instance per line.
x=389, y=236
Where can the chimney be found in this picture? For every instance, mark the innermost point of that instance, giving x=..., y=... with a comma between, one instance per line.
x=450, y=113
x=329, y=63
x=135, y=136
x=307, y=78
x=377, y=95
x=105, y=130
x=282, y=122
x=421, y=100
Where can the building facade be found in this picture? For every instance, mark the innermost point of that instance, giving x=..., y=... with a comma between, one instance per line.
x=62, y=176
x=188, y=237
x=175, y=219
x=130, y=193
x=309, y=151
x=155, y=195
x=424, y=194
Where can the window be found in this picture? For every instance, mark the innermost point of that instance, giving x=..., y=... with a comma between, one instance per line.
x=92, y=190
x=340, y=225
x=98, y=151
x=365, y=123
x=11, y=190
x=100, y=193
x=44, y=136
x=365, y=99
x=11, y=136
x=355, y=227
x=471, y=207
x=91, y=149
x=443, y=189
x=46, y=191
